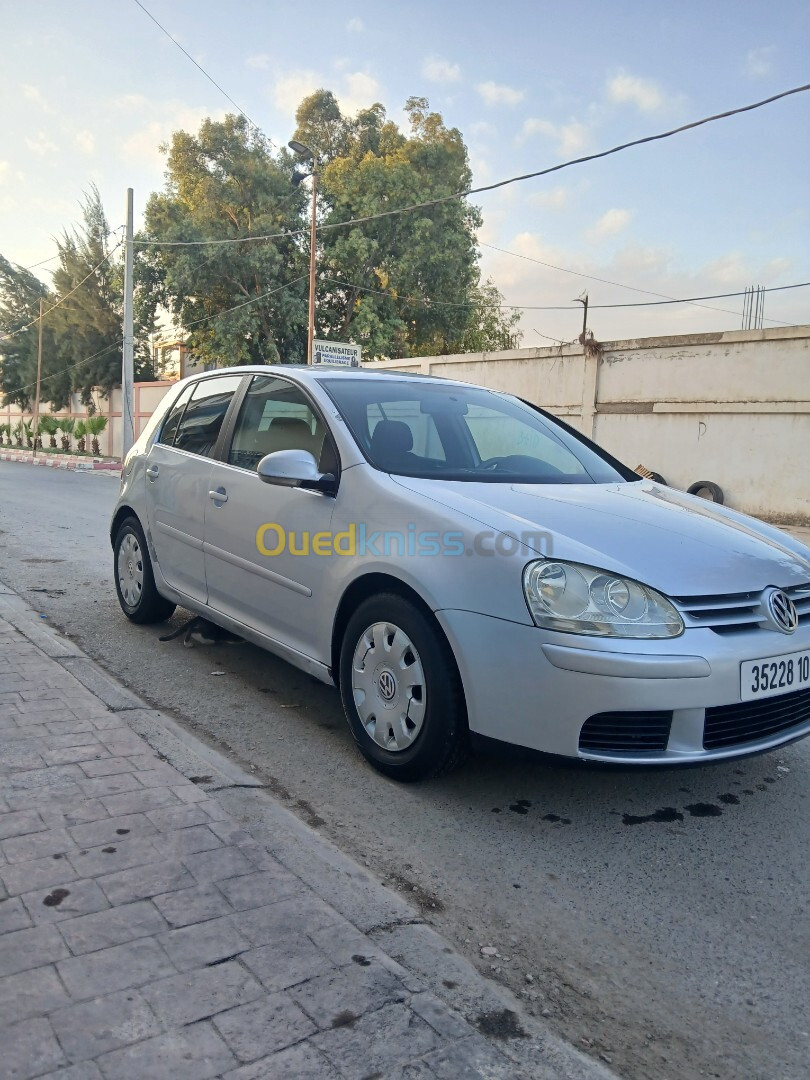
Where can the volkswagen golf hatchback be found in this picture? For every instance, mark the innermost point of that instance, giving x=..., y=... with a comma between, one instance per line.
x=460, y=563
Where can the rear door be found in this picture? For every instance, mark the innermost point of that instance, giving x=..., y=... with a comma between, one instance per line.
x=177, y=481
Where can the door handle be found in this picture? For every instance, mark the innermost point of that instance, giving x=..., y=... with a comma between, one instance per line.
x=218, y=496
x=152, y=472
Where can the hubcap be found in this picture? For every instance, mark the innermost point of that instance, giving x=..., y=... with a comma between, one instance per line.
x=388, y=685
x=130, y=570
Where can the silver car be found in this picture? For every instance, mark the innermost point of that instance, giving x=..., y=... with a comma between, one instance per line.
x=462, y=564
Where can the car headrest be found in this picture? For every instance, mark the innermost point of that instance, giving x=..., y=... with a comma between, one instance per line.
x=391, y=437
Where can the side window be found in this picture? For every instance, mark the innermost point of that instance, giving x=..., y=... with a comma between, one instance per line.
x=198, y=429
x=275, y=415
x=169, y=429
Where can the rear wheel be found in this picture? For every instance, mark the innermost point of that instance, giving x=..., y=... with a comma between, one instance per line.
x=134, y=581
x=401, y=690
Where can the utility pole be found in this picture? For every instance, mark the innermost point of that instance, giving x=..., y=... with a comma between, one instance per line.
x=311, y=331
x=127, y=364
x=39, y=377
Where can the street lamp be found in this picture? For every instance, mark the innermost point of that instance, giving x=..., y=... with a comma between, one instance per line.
x=305, y=152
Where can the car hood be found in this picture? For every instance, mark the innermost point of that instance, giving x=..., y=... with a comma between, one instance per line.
x=677, y=543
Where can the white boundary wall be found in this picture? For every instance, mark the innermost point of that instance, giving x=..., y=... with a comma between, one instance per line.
x=729, y=407
x=147, y=397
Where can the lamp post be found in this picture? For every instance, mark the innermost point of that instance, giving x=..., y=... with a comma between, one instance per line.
x=306, y=152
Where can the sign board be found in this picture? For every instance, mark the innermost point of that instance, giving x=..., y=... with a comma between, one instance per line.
x=335, y=352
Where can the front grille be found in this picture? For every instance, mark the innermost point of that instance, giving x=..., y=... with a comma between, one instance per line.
x=749, y=721
x=732, y=612
x=626, y=732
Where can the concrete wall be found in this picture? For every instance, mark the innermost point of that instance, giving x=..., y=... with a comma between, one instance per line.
x=729, y=407
x=146, y=399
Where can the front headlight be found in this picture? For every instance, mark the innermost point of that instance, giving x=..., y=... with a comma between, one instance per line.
x=583, y=600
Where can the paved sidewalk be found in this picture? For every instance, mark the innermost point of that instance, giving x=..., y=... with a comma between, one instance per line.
x=145, y=934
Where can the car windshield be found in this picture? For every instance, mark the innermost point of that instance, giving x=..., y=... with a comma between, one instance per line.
x=451, y=432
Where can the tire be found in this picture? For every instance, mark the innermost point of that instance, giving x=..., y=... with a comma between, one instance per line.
x=658, y=479
x=406, y=709
x=134, y=581
x=707, y=490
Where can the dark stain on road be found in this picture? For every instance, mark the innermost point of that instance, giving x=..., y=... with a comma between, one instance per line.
x=343, y=1019
x=520, y=807
x=665, y=814
x=729, y=798
x=363, y=961
x=500, y=1024
x=55, y=898
x=555, y=818
x=109, y=850
x=201, y=779
x=121, y=832
x=704, y=809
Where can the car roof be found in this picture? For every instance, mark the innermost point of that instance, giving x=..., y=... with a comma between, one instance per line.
x=320, y=371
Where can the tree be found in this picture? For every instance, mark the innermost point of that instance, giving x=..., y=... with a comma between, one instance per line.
x=410, y=282
x=407, y=284
x=224, y=183
x=81, y=345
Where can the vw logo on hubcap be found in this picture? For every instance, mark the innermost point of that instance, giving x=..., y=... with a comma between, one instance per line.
x=782, y=612
x=388, y=685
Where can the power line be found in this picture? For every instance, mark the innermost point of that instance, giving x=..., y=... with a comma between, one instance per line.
x=565, y=307
x=213, y=81
x=71, y=367
x=487, y=187
x=247, y=303
x=67, y=295
x=606, y=281
x=42, y=262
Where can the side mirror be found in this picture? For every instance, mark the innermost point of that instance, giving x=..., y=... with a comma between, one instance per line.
x=294, y=468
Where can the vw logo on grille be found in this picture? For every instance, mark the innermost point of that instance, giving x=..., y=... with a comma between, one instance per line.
x=388, y=685
x=783, y=612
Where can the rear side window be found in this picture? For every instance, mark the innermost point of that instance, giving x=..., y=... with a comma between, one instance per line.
x=169, y=429
x=198, y=427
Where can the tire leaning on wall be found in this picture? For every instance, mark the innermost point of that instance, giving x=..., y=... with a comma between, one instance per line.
x=708, y=490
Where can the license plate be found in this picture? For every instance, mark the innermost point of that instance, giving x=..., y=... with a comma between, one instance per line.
x=774, y=675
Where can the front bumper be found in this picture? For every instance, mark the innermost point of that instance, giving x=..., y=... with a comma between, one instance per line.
x=534, y=688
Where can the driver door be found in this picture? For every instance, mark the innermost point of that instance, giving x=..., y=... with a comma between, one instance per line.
x=260, y=562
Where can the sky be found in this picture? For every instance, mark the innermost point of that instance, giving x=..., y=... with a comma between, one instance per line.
x=91, y=88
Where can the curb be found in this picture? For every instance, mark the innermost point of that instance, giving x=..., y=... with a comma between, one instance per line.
x=69, y=462
x=382, y=917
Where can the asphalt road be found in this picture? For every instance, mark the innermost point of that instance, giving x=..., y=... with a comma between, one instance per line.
x=662, y=917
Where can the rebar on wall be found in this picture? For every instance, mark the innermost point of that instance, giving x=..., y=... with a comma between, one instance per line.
x=754, y=308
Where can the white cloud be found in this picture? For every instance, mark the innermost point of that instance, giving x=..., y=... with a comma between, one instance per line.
x=34, y=94
x=41, y=145
x=497, y=94
x=355, y=90
x=4, y=167
x=759, y=62
x=482, y=127
x=260, y=61
x=571, y=138
x=161, y=120
x=86, y=142
x=437, y=70
x=288, y=90
x=355, y=26
x=609, y=224
x=359, y=91
x=643, y=93
x=554, y=199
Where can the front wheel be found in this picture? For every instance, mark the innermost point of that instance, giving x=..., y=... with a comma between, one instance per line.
x=401, y=690
x=134, y=581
